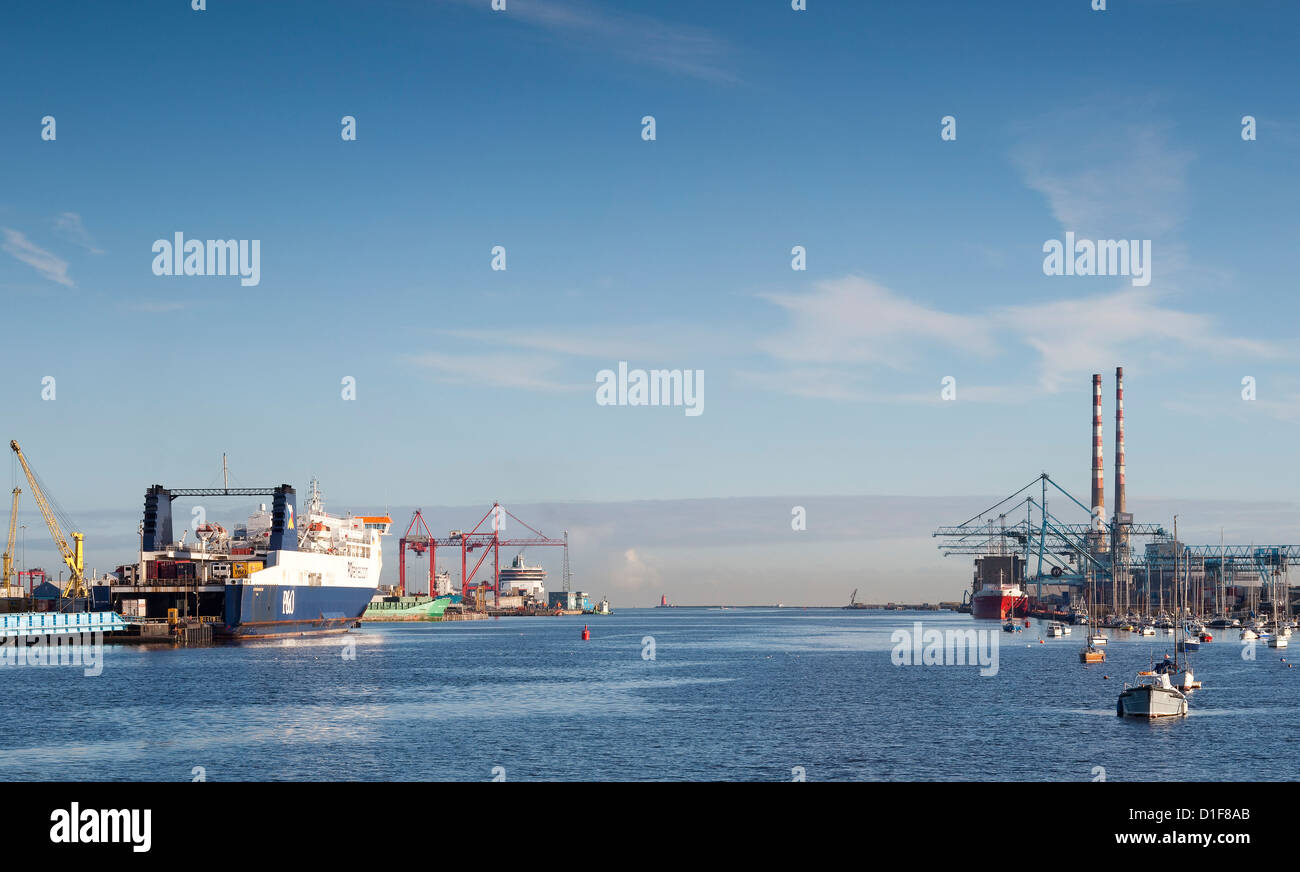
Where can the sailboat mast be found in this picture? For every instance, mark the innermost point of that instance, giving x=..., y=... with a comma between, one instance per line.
x=1178, y=611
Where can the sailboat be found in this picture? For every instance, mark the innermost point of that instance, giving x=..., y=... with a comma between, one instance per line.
x=1279, y=637
x=1091, y=652
x=1154, y=695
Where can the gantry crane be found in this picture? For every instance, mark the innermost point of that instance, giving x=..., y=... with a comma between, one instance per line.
x=8, y=565
x=72, y=556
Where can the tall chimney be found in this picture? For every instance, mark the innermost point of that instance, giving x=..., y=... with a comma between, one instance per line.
x=1120, y=503
x=1098, y=469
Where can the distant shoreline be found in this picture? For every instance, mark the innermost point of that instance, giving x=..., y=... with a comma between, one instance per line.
x=887, y=607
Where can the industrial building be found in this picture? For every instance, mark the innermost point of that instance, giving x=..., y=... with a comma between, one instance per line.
x=1053, y=556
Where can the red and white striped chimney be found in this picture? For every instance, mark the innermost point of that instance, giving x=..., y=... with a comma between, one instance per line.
x=1098, y=467
x=1120, y=501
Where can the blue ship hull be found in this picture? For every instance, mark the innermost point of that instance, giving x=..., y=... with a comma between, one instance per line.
x=274, y=610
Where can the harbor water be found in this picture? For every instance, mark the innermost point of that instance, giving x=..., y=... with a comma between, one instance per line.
x=656, y=694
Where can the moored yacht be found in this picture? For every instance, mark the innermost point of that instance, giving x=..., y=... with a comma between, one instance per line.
x=1154, y=696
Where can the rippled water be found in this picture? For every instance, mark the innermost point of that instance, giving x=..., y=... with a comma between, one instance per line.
x=740, y=694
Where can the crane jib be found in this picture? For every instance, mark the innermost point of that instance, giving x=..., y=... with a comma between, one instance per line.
x=72, y=556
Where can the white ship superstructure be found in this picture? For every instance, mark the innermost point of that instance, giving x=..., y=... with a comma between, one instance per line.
x=278, y=574
x=530, y=580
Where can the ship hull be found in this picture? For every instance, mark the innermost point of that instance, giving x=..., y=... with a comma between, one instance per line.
x=996, y=607
x=268, y=610
x=1151, y=702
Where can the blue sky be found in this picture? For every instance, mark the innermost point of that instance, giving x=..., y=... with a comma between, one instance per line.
x=775, y=128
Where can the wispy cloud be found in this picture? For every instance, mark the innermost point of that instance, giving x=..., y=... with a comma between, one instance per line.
x=1112, y=179
x=156, y=306
x=532, y=372
x=845, y=323
x=69, y=225
x=854, y=320
x=49, y=265
x=1105, y=179
x=1101, y=179
x=642, y=39
x=661, y=342
x=1114, y=327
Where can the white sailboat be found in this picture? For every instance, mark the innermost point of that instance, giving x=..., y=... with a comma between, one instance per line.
x=1279, y=639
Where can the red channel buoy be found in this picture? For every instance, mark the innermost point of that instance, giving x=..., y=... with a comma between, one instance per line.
x=586, y=634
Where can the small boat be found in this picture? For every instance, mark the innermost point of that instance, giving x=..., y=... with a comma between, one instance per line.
x=1055, y=629
x=1010, y=627
x=1247, y=634
x=1189, y=645
x=1206, y=637
x=1147, y=630
x=1154, y=696
x=1092, y=655
x=1278, y=641
x=1095, y=639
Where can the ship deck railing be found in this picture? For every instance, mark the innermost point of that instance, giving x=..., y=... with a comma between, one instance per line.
x=59, y=623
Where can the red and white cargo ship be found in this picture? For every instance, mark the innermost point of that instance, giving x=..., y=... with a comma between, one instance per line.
x=999, y=600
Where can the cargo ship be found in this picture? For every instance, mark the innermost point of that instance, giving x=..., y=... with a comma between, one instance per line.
x=409, y=608
x=997, y=592
x=277, y=575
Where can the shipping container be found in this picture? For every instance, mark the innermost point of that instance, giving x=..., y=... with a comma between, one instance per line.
x=243, y=569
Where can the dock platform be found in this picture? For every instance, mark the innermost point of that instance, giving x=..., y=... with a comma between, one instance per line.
x=28, y=624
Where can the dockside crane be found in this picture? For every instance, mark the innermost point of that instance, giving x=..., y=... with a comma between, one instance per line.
x=8, y=564
x=72, y=556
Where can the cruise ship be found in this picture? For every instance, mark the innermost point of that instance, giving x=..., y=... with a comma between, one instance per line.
x=520, y=576
x=276, y=575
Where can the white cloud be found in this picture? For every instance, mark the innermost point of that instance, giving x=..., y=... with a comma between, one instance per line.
x=634, y=573
x=1071, y=336
x=1107, y=181
x=69, y=225
x=502, y=370
x=845, y=323
x=678, y=48
x=853, y=320
x=49, y=265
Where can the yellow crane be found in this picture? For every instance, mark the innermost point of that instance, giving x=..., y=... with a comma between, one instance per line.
x=76, y=585
x=8, y=571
